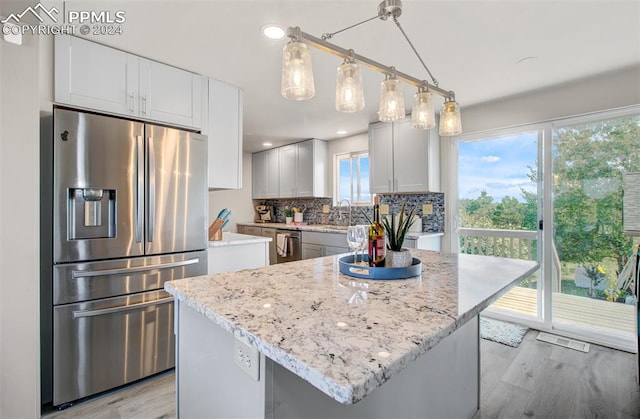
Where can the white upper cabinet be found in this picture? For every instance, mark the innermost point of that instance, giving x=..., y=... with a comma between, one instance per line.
x=224, y=130
x=380, y=157
x=300, y=170
x=403, y=159
x=94, y=76
x=101, y=78
x=265, y=174
x=169, y=94
x=288, y=156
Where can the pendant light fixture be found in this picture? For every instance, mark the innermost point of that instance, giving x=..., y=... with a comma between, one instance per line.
x=422, y=114
x=349, y=92
x=297, y=72
x=450, y=122
x=297, y=78
x=391, y=106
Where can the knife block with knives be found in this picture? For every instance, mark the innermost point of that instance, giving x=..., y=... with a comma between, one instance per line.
x=215, y=229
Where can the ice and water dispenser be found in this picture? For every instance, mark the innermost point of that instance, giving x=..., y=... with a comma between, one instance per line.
x=92, y=213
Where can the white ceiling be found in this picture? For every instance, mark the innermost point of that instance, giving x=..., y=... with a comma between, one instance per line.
x=472, y=47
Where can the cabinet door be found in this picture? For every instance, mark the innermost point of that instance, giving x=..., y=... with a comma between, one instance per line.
x=410, y=158
x=288, y=156
x=250, y=230
x=305, y=169
x=334, y=250
x=258, y=175
x=272, y=174
x=380, y=158
x=169, y=94
x=225, y=135
x=93, y=76
x=311, y=251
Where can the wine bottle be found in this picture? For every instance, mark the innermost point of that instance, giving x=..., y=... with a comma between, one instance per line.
x=377, y=243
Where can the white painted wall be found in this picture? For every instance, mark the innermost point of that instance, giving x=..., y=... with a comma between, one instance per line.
x=19, y=227
x=237, y=201
x=607, y=91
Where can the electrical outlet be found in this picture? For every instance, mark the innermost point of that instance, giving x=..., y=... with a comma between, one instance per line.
x=325, y=209
x=384, y=209
x=427, y=209
x=246, y=357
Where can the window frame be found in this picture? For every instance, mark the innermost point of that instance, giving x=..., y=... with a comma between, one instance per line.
x=358, y=178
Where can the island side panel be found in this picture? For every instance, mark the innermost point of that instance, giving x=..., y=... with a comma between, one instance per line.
x=209, y=384
x=443, y=383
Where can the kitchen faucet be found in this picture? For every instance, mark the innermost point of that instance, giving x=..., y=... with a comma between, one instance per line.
x=340, y=210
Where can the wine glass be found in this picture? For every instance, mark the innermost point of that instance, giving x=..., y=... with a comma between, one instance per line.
x=363, y=238
x=353, y=241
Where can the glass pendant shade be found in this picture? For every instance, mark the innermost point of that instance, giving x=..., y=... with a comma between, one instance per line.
x=391, y=101
x=349, y=92
x=422, y=114
x=297, y=72
x=450, y=122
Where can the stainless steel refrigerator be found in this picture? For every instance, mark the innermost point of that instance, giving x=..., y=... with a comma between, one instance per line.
x=128, y=213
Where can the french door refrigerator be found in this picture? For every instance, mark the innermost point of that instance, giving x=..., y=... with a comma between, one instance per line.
x=128, y=213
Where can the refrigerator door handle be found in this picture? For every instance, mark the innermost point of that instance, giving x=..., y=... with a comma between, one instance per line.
x=139, y=215
x=119, y=271
x=152, y=191
x=77, y=314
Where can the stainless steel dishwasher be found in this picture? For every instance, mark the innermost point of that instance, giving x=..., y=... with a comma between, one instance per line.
x=294, y=246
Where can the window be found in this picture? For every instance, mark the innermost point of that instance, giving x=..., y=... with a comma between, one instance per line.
x=352, y=178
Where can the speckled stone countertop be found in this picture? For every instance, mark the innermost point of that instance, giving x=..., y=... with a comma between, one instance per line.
x=348, y=336
x=235, y=239
x=329, y=228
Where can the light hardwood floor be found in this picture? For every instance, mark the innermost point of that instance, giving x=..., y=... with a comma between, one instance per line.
x=536, y=380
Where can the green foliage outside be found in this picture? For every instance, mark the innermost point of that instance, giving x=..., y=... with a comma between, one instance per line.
x=588, y=163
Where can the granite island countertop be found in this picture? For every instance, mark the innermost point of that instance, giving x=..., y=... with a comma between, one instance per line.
x=348, y=336
x=330, y=228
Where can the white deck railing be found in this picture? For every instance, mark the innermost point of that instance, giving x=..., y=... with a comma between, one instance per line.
x=516, y=244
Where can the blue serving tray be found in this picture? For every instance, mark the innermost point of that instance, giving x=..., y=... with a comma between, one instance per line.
x=348, y=267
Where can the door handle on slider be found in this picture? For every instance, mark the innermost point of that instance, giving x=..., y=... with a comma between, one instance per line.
x=77, y=314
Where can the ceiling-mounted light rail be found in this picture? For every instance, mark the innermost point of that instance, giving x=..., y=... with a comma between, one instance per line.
x=297, y=78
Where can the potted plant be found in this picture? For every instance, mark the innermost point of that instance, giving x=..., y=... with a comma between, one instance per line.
x=397, y=256
x=288, y=215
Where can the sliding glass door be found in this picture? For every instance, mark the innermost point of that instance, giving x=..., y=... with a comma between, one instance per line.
x=554, y=193
x=499, y=208
x=593, y=288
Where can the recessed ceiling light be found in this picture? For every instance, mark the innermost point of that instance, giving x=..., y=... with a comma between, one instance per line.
x=273, y=31
x=267, y=144
x=341, y=132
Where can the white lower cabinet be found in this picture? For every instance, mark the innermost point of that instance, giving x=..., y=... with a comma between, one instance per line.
x=234, y=258
x=316, y=244
x=427, y=242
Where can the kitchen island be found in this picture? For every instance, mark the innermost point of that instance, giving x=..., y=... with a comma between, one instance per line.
x=313, y=342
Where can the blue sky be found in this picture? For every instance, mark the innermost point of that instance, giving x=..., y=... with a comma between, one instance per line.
x=497, y=165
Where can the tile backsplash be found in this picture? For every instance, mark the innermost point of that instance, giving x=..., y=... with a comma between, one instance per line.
x=312, y=209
